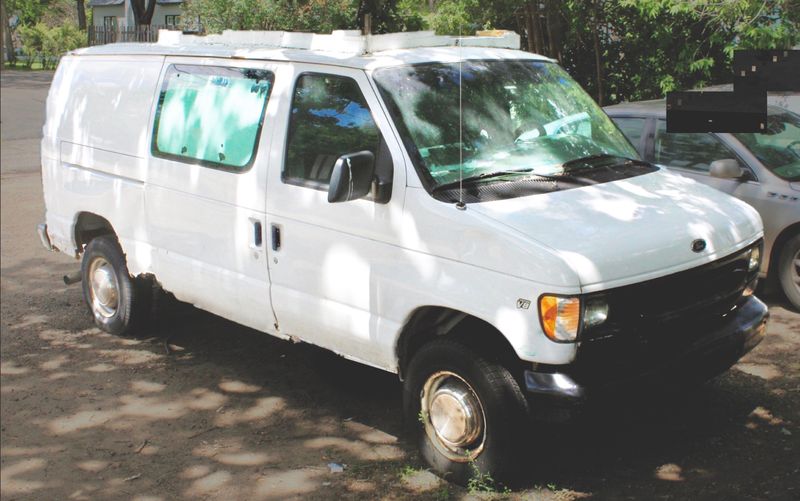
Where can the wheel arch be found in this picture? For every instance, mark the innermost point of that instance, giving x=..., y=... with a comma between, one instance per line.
x=87, y=226
x=426, y=323
x=774, y=255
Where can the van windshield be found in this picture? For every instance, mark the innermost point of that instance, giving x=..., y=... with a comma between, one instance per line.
x=518, y=118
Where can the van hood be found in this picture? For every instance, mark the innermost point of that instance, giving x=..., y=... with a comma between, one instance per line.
x=622, y=232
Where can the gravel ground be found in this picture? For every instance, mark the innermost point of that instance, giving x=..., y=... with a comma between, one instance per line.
x=202, y=408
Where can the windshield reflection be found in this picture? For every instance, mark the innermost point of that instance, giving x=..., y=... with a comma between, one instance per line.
x=517, y=116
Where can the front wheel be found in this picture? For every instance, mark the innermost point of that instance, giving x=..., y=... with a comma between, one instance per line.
x=118, y=302
x=789, y=270
x=467, y=412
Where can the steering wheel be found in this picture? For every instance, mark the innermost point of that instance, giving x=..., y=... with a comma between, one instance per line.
x=791, y=147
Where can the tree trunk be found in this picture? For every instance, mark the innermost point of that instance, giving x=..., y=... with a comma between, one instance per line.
x=143, y=14
x=537, y=27
x=7, y=41
x=535, y=35
x=597, y=55
x=553, y=19
x=81, y=14
x=529, y=28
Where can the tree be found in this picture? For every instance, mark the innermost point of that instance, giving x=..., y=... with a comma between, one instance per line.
x=7, y=42
x=81, y=14
x=143, y=11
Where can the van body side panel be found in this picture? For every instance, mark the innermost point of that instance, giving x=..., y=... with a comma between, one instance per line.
x=94, y=148
x=203, y=221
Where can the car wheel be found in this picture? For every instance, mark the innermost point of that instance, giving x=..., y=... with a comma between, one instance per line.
x=118, y=302
x=789, y=270
x=466, y=412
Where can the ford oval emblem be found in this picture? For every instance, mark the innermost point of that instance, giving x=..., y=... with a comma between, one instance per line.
x=698, y=245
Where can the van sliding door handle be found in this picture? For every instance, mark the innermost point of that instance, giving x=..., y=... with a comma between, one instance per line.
x=258, y=233
x=276, y=238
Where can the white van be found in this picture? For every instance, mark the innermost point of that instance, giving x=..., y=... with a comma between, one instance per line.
x=450, y=210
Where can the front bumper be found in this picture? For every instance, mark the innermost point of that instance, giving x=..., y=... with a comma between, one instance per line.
x=699, y=353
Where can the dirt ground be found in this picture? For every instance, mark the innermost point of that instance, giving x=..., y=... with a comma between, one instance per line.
x=201, y=408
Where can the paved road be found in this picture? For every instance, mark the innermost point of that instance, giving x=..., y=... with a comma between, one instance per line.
x=203, y=408
x=22, y=105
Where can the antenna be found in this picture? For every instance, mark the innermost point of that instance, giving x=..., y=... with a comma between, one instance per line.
x=460, y=205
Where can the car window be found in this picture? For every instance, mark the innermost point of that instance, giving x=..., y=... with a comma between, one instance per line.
x=778, y=148
x=633, y=128
x=211, y=115
x=688, y=150
x=330, y=118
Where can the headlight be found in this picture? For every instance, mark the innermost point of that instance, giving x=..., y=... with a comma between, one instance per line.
x=596, y=313
x=560, y=317
x=755, y=258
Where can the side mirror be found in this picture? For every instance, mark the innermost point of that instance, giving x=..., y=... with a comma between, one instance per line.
x=352, y=177
x=727, y=168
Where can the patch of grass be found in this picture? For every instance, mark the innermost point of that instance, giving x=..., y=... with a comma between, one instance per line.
x=21, y=65
x=407, y=470
x=442, y=494
x=422, y=417
x=483, y=482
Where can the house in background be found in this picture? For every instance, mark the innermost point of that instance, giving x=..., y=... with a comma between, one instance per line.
x=113, y=21
x=119, y=13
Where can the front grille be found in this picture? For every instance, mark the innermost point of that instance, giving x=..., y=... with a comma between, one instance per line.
x=657, y=319
x=706, y=291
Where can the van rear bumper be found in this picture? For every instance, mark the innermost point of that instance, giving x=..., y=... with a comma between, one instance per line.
x=41, y=229
x=711, y=352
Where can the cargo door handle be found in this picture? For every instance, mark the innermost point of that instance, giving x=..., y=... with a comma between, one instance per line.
x=258, y=233
x=276, y=238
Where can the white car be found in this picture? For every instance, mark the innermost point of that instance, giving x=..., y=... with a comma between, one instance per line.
x=450, y=210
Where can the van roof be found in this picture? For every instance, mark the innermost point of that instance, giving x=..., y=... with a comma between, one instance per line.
x=340, y=48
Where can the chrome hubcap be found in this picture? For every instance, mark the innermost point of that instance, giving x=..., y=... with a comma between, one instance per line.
x=796, y=269
x=103, y=287
x=453, y=416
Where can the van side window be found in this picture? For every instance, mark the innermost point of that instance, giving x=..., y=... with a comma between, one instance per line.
x=211, y=115
x=330, y=118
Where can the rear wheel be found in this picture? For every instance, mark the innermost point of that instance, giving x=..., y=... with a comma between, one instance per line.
x=467, y=413
x=789, y=270
x=118, y=302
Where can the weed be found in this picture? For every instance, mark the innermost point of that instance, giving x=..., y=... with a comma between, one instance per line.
x=483, y=482
x=407, y=470
x=443, y=494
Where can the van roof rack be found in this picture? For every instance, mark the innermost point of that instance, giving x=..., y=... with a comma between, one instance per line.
x=340, y=41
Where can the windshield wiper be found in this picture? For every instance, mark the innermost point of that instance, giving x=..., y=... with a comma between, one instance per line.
x=592, y=161
x=479, y=177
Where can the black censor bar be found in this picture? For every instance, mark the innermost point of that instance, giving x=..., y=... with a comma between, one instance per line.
x=756, y=72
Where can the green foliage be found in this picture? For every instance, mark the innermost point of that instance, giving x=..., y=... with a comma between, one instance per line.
x=407, y=471
x=46, y=45
x=483, y=482
x=50, y=12
x=319, y=16
x=645, y=47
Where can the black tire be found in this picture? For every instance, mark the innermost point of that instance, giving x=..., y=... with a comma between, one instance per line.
x=789, y=270
x=503, y=405
x=134, y=295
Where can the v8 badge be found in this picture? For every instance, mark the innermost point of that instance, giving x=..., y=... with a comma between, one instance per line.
x=523, y=304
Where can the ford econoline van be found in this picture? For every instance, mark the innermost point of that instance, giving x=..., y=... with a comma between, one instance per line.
x=452, y=210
